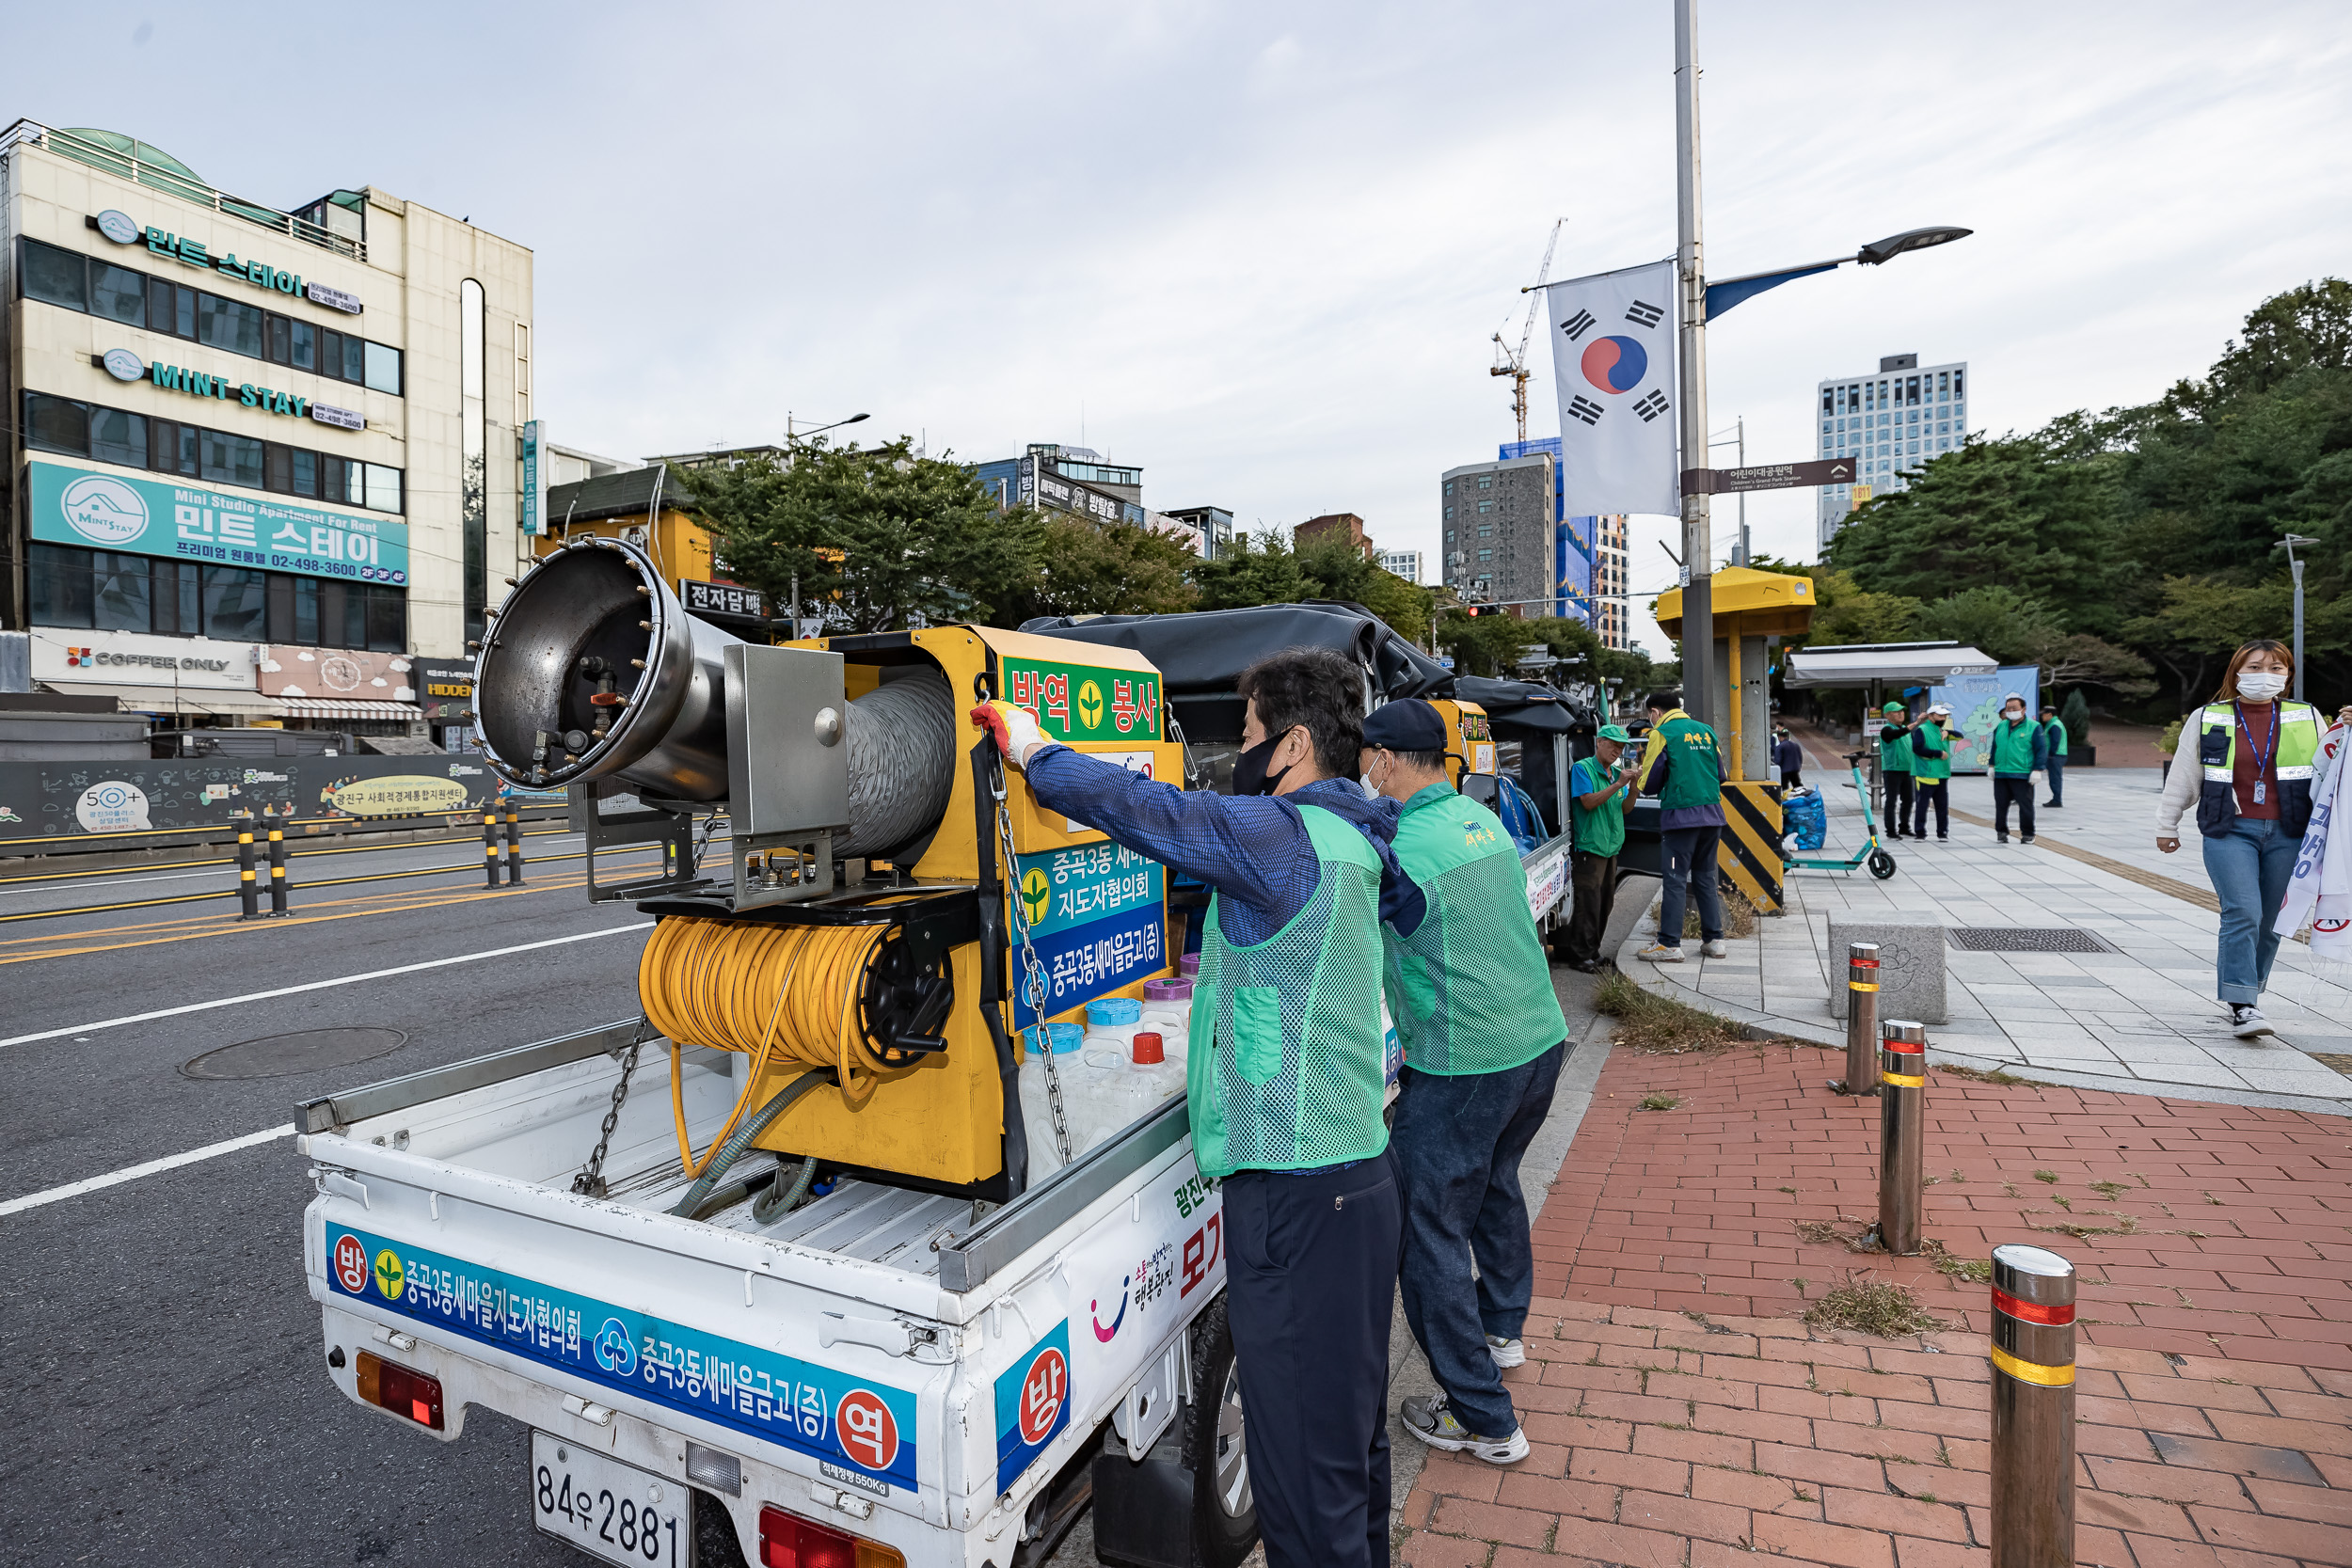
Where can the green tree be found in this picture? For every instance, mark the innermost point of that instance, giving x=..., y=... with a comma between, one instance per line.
x=2074, y=713
x=1120, y=570
x=1259, y=568
x=886, y=539
x=1490, y=644
x=1334, y=569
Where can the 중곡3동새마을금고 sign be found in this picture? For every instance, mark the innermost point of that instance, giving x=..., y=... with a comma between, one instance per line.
x=192, y=522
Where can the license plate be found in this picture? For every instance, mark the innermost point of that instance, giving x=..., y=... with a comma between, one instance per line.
x=610, y=1510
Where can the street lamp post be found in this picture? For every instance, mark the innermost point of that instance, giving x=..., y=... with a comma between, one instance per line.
x=2296, y=566
x=1698, y=546
x=789, y=439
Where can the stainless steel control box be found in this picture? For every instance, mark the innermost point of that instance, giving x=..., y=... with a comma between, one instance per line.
x=787, y=751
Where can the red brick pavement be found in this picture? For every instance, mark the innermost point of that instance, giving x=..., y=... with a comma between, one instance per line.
x=1681, y=1415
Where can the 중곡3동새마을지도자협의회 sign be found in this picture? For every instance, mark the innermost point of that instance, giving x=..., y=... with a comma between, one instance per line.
x=191, y=522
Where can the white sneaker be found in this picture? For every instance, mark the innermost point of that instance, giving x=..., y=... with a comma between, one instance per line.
x=1658, y=953
x=1507, y=1353
x=2247, y=1021
x=1434, y=1424
x=1716, y=950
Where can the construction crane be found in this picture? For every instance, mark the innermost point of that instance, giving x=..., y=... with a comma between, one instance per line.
x=1514, y=364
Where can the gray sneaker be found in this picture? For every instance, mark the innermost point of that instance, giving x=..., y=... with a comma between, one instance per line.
x=1658, y=953
x=1434, y=1424
x=1716, y=949
x=2247, y=1021
x=1507, y=1353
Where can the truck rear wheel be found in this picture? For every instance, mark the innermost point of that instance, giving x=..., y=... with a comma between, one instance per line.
x=1216, y=1448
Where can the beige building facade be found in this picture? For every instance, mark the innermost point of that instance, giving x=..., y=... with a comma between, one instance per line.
x=248, y=428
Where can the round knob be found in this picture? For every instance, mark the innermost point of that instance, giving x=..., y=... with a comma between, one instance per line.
x=828, y=727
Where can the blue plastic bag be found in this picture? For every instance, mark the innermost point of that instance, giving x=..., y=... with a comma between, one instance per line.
x=1802, y=813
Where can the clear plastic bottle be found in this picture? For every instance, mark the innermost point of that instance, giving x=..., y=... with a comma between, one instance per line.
x=1168, y=1006
x=1036, y=1109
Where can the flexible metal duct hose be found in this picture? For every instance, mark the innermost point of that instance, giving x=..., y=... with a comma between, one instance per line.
x=902, y=756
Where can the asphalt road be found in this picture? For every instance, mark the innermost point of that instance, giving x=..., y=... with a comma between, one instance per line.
x=160, y=1359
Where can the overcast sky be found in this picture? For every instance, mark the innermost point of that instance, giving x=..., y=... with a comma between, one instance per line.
x=1260, y=250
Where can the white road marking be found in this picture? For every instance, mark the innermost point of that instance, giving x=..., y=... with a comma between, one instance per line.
x=131, y=1173
x=321, y=985
x=229, y=871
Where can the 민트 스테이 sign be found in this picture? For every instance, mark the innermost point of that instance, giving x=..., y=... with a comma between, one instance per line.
x=143, y=516
x=123, y=229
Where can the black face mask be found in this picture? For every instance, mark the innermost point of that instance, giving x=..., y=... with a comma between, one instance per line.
x=1249, y=776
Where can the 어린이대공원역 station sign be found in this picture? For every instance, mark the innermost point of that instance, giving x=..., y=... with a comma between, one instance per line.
x=191, y=522
x=1768, y=476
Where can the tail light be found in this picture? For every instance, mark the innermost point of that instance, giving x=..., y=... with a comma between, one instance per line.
x=789, y=1540
x=400, y=1390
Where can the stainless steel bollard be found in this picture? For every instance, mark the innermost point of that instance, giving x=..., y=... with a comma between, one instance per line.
x=491, y=846
x=1903, y=1119
x=1862, y=1020
x=514, y=845
x=278, y=871
x=2033, y=1408
x=248, y=892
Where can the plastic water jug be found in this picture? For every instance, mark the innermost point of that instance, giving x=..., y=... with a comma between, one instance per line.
x=1168, y=1003
x=1036, y=1109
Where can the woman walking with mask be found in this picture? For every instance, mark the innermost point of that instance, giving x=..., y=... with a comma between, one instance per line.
x=2245, y=761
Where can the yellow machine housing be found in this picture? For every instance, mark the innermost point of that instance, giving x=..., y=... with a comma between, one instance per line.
x=940, y=1119
x=1470, y=739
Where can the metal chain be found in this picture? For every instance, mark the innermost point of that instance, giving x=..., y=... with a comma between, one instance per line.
x=1033, y=980
x=590, y=1181
x=1192, y=768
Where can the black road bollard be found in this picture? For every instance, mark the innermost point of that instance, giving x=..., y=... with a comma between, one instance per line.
x=514, y=845
x=278, y=871
x=1862, y=1020
x=1902, y=1124
x=491, y=846
x=2033, y=1408
x=249, y=893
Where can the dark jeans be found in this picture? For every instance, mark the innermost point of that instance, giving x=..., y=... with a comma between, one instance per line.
x=2250, y=866
x=2017, y=787
x=1939, y=793
x=1595, y=880
x=2057, y=780
x=1898, y=802
x=1458, y=1143
x=1790, y=780
x=1309, y=1280
x=1687, y=858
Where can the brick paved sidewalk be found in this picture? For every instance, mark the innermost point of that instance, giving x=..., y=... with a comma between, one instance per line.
x=1683, y=1416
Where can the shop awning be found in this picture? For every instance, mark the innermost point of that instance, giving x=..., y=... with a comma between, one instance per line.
x=1904, y=663
x=163, y=699
x=330, y=707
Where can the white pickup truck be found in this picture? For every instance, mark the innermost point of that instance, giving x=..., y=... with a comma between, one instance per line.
x=880, y=1376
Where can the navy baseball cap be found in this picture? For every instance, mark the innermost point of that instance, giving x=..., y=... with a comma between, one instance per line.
x=1408, y=724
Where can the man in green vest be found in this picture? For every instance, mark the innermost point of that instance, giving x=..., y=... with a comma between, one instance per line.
x=1286, y=1074
x=1932, y=772
x=1598, y=788
x=1683, y=768
x=1895, y=768
x=2054, y=757
x=2017, y=750
x=1484, y=1037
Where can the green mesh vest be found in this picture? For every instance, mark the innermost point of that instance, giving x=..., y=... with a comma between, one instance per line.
x=1287, y=1062
x=1470, y=989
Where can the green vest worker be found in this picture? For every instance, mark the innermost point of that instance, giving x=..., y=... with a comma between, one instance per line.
x=2054, y=761
x=1598, y=788
x=1285, y=1076
x=1472, y=996
x=1895, y=768
x=1685, y=771
x=1932, y=771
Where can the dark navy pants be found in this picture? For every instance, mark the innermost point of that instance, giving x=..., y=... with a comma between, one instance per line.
x=1309, y=1286
x=1457, y=1146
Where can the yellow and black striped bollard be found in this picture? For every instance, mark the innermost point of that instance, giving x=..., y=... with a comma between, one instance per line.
x=248, y=892
x=490, y=845
x=278, y=889
x=1902, y=1125
x=2033, y=1408
x=514, y=845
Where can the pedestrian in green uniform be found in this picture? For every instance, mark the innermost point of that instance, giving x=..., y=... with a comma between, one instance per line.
x=1932, y=771
x=2054, y=757
x=1684, y=769
x=1597, y=785
x=1484, y=1037
x=2017, y=751
x=1895, y=768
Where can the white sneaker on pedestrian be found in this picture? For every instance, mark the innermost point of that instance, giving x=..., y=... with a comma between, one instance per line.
x=1434, y=1424
x=2247, y=1021
x=1716, y=950
x=1507, y=1353
x=1658, y=953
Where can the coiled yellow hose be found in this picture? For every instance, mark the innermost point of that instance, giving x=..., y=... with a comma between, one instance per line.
x=778, y=993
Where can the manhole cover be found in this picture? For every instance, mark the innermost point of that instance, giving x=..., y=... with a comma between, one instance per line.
x=277, y=1055
x=2026, y=938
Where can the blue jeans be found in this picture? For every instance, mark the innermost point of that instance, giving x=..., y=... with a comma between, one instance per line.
x=1689, y=864
x=2057, y=781
x=2250, y=866
x=1458, y=1144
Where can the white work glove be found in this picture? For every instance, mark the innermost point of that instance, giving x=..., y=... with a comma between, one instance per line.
x=1015, y=729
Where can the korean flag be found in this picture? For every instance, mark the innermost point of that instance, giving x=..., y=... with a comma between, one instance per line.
x=1613, y=355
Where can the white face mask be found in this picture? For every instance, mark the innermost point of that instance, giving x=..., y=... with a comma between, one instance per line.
x=2262, y=688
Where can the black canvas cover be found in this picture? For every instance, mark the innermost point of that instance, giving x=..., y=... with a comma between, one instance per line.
x=1202, y=652
x=1523, y=708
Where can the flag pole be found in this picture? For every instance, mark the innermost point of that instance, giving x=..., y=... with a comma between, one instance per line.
x=1699, y=698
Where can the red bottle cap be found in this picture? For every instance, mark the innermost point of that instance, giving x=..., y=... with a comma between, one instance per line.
x=1147, y=1050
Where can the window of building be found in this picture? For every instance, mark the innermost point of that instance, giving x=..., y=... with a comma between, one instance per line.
x=54, y=276
x=56, y=424
x=115, y=437
x=118, y=294
x=226, y=459
x=1486, y=506
x=1486, y=530
x=60, y=585
x=103, y=591
x=166, y=446
x=1486, y=555
x=1486, y=482
x=230, y=325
